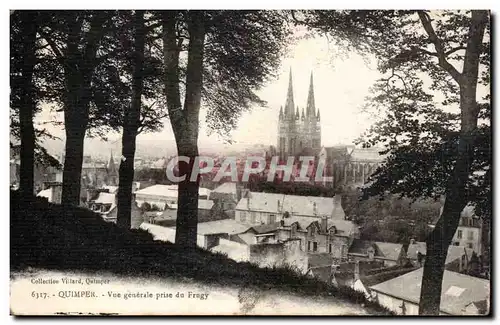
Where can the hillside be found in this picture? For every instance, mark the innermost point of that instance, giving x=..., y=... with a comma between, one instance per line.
x=44, y=236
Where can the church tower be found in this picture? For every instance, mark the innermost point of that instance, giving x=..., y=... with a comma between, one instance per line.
x=112, y=171
x=296, y=131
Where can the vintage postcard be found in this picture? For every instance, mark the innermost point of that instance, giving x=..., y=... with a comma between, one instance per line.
x=250, y=162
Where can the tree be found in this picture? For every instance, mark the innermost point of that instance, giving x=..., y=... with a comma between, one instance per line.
x=228, y=55
x=131, y=126
x=433, y=151
x=24, y=25
x=74, y=38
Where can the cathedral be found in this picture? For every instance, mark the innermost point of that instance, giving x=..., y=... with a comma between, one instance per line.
x=299, y=134
x=299, y=131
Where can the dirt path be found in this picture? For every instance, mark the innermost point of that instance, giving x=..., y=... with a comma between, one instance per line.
x=43, y=292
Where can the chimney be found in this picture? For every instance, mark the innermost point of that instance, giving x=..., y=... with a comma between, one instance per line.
x=279, y=207
x=315, y=210
x=356, y=270
x=324, y=224
x=239, y=191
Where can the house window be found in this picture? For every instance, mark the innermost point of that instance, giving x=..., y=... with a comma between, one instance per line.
x=243, y=216
x=315, y=246
x=330, y=248
x=272, y=218
x=470, y=235
x=469, y=245
x=456, y=243
x=459, y=234
x=252, y=217
x=309, y=244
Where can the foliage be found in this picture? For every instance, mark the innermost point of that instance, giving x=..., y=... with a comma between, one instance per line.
x=16, y=62
x=417, y=97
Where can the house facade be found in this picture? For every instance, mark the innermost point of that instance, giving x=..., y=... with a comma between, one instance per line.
x=469, y=231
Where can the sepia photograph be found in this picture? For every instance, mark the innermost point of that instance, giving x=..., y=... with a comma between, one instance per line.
x=291, y=162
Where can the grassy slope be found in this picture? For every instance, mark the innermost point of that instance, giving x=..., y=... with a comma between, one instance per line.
x=43, y=235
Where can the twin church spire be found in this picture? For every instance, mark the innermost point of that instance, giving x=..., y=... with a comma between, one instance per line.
x=291, y=110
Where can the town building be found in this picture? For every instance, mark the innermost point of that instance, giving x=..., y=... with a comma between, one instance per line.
x=461, y=294
x=164, y=196
x=390, y=254
x=469, y=231
x=207, y=211
x=106, y=205
x=349, y=166
x=263, y=208
x=457, y=259
x=227, y=195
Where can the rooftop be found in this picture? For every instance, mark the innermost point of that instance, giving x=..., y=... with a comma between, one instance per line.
x=225, y=226
x=458, y=290
x=294, y=204
x=168, y=191
x=228, y=188
x=454, y=252
x=47, y=193
x=390, y=251
x=105, y=198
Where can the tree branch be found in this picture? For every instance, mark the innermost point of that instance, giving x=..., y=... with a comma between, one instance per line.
x=440, y=53
x=55, y=49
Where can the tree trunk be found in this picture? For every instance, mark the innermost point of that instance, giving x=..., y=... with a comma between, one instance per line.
x=130, y=128
x=185, y=121
x=28, y=105
x=79, y=65
x=76, y=125
x=456, y=195
x=76, y=116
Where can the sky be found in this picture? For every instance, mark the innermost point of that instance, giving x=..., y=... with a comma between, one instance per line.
x=340, y=86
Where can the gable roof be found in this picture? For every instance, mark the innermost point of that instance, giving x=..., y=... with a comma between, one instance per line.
x=265, y=228
x=481, y=305
x=227, y=188
x=389, y=251
x=415, y=248
x=360, y=246
x=458, y=290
